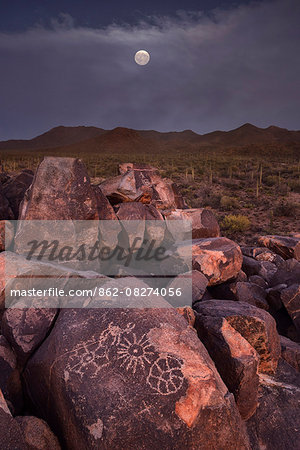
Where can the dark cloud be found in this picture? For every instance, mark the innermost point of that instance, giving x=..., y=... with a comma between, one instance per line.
x=206, y=73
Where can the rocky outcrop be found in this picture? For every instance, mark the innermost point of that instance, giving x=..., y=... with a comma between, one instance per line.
x=256, y=325
x=142, y=183
x=219, y=259
x=204, y=222
x=61, y=190
x=287, y=247
x=235, y=359
x=139, y=374
x=11, y=436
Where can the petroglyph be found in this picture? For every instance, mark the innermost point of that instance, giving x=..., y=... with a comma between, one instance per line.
x=161, y=371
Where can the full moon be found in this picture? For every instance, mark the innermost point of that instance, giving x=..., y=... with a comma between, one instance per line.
x=142, y=57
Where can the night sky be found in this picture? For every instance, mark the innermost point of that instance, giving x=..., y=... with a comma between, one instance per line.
x=214, y=64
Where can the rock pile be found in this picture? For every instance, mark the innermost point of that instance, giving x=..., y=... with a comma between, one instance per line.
x=223, y=375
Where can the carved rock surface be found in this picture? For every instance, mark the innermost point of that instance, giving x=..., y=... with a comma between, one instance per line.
x=287, y=247
x=256, y=325
x=140, y=374
x=61, y=190
x=235, y=359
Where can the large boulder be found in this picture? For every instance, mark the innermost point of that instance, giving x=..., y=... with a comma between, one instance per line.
x=276, y=422
x=204, y=222
x=61, y=190
x=142, y=183
x=141, y=374
x=235, y=359
x=256, y=325
x=219, y=259
x=14, y=189
x=287, y=247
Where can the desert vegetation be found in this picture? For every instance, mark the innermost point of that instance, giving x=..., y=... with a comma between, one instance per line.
x=264, y=186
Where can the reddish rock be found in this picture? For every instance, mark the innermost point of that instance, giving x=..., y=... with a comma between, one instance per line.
x=140, y=374
x=290, y=297
x=6, y=234
x=219, y=259
x=276, y=422
x=235, y=359
x=61, y=190
x=287, y=247
x=188, y=313
x=37, y=434
x=14, y=189
x=290, y=352
x=142, y=183
x=256, y=325
x=252, y=294
x=204, y=222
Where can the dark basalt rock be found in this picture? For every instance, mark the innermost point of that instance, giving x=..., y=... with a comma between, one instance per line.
x=139, y=374
x=14, y=189
x=235, y=359
x=256, y=325
x=276, y=422
x=287, y=247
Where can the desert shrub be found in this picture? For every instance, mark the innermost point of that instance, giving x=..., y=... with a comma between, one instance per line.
x=286, y=209
x=235, y=224
x=228, y=203
x=271, y=180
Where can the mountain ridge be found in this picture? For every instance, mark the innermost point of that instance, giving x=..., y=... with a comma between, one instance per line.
x=86, y=138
